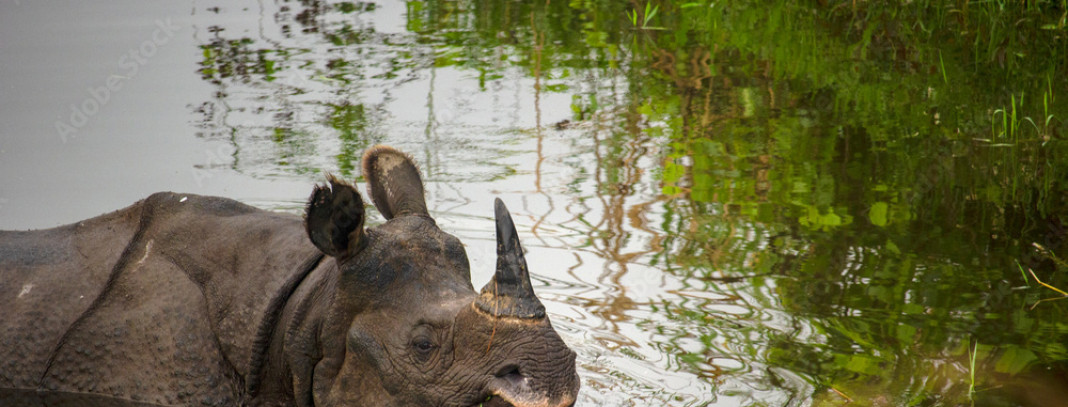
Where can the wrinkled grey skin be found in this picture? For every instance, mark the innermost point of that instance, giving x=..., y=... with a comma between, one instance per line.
x=192, y=300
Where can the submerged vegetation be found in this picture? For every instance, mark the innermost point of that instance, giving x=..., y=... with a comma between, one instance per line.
x=880, y=185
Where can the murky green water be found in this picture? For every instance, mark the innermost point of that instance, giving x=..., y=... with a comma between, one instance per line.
x=761, y=203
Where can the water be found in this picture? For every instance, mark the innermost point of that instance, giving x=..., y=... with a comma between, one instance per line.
x=762, y=204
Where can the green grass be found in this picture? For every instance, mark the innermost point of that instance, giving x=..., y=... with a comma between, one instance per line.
x=650, y=12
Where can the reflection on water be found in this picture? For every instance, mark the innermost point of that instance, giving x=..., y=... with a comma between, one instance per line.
x=709, y=225
x=763, y=203
x=717, y=212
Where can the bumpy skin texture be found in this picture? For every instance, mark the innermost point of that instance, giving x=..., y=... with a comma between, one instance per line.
x=159, y=303
x=190, y=300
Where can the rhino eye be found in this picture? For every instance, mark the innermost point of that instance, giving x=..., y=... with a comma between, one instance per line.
x=423, y=346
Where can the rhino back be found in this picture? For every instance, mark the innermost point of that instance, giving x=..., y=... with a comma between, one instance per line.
x=187, y=307
x=49, y=278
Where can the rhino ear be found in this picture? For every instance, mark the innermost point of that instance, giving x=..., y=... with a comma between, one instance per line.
x=334, y=218
x=393, y=182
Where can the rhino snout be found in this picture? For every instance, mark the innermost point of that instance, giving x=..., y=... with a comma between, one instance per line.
x=511, y=386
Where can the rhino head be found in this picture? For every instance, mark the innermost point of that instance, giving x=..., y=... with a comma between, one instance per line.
x=397, y=321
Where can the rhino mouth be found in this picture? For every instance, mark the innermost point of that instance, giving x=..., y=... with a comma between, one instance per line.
x=494, y=401
x=497, y=401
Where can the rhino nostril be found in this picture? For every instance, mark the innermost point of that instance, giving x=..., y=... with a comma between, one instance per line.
x=510, y=373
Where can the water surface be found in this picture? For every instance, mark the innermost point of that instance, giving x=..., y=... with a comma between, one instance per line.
x=755, y=204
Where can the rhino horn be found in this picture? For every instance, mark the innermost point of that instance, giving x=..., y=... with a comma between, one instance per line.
x=509, y=293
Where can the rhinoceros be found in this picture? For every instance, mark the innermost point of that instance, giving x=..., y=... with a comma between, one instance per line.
x=193, y=300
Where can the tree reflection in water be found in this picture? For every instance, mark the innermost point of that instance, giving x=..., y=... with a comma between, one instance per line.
x=757, y=203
